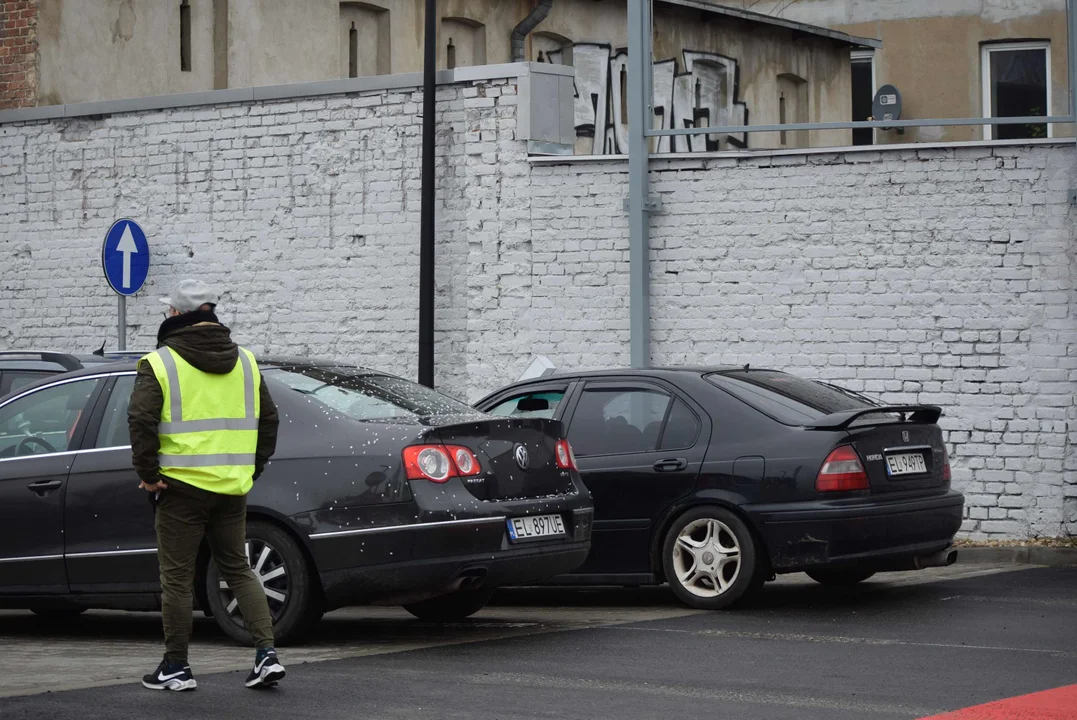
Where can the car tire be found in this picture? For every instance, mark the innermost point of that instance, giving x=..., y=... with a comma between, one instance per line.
x=840, y=578
x=452, y=607
x=301, y=607
x=710, y=558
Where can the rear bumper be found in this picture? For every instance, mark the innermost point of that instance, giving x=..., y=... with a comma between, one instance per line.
x=886, y=535
x=416, y=580
x=429, y=559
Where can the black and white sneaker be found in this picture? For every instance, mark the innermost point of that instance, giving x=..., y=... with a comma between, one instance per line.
x=169, y=676
x=267, y=670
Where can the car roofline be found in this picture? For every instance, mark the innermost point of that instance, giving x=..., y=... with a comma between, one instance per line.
x=656, y=371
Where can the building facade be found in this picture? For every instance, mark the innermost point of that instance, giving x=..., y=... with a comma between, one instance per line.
x=713, y=66
x=951, y=59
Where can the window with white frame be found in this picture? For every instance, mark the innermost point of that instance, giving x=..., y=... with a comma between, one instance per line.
x=1016, y=83
x=863, y=86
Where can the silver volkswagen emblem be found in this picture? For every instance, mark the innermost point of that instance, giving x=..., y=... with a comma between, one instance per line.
x=904, y=436
x=522, y=458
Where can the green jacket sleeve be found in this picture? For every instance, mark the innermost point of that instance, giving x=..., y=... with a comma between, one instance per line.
x=268, y=421
x=143, y=417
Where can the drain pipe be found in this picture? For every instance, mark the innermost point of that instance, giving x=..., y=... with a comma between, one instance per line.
x=529, y=23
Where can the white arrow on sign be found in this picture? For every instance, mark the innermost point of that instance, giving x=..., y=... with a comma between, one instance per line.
x=127, y=247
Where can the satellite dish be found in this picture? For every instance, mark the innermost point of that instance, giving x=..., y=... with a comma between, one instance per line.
x=887, y=104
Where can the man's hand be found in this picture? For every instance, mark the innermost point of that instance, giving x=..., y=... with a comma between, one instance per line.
x=156, y=487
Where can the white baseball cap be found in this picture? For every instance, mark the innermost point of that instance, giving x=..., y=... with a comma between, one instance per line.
x=190, y=295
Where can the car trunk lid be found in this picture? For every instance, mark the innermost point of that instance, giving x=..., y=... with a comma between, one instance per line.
x=901, y=456
x=517, y=456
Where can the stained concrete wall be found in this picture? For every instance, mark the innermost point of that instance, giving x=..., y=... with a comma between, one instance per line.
x=931, y=50
x=108, y=49
x=762, y=53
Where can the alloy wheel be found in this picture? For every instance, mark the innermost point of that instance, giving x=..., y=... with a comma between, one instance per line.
x=706, y=557
x=272, y=573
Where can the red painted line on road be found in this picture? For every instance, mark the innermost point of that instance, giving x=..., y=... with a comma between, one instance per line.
x=1057, y=704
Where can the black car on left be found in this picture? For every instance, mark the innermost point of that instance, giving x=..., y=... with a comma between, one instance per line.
x=381, y=491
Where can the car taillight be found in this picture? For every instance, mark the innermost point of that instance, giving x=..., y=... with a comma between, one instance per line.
x=438, y=463
x=841, y=470
x=465, y=461
x=946, y=474
x=566, y=459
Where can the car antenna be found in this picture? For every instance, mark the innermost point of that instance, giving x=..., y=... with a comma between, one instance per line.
x=746, y=367
x=101, y=350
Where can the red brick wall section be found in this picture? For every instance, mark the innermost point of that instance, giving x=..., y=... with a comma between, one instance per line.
x=18, y=53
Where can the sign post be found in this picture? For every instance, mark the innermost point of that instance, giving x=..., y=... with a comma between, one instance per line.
x=125, y=258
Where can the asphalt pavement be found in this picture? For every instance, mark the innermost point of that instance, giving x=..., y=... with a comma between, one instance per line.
x=902, y=646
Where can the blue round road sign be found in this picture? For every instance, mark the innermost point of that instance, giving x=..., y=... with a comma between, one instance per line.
x=125, y=256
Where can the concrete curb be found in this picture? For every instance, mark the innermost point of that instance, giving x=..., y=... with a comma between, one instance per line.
x=1034, y=555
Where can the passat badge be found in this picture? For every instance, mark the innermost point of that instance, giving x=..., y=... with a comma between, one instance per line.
x=522, y=458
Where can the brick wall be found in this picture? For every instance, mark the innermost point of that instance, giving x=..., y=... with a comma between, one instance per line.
x=18, y=53
x=941, y=276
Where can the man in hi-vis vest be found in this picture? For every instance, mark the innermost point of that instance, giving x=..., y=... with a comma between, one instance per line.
x=203, y=427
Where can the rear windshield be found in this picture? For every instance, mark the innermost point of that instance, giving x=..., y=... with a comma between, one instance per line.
x=786, y=398
x=363, y=396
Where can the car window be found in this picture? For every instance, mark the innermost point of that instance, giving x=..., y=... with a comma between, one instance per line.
x=15, y=380
x=364, y=396
x=787, y=398
x=617, y=421
x=43, y=421
x=682, y=428
x=18, y=380
x=114, y=431
x=542, y=404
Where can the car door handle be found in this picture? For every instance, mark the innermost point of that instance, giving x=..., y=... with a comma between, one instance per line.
x=43, y=486
x=671, y=465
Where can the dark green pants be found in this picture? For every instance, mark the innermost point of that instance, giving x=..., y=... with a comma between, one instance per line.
x=184, y=516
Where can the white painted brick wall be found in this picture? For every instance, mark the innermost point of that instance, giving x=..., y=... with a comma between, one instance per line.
x=936, y=276
x=942, y=276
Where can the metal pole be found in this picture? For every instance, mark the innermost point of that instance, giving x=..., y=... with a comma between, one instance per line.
x=638, y=241
x=426, y=229
x=121, y=325
x=1071, y=45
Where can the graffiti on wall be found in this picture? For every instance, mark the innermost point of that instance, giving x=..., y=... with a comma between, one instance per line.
x=703, y=93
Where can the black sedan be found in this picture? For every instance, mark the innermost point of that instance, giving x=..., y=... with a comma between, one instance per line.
x=381, y=491
x=717, y=479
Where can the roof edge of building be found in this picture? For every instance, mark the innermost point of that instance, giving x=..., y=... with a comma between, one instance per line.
x=750, y=16
x=348, y=86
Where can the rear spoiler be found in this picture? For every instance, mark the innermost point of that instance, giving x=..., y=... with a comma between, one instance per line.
x=928, y=414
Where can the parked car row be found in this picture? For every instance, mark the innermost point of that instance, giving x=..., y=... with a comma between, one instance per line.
x=384, y=491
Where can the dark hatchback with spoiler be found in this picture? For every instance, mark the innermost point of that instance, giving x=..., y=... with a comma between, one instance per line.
x=716, y=479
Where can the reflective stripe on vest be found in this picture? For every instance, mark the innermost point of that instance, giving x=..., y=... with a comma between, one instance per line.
x=249, y=421
x=196, y=461
x=203, y=442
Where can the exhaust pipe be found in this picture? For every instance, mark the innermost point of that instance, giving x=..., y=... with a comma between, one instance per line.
x=471, y=580
x=943, y=558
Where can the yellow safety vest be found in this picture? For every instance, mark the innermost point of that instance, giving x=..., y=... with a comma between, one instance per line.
x=209, y=422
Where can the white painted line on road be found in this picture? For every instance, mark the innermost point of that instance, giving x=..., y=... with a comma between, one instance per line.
x=1049, y=602
x=753, y=697
x=843, y=639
